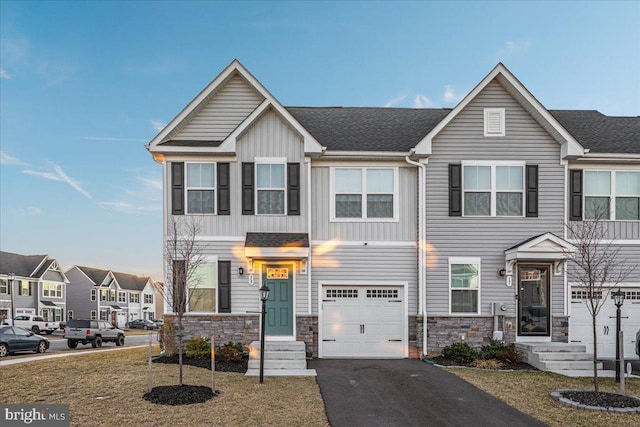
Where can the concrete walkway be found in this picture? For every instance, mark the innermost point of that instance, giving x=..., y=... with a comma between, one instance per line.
x=407, y=393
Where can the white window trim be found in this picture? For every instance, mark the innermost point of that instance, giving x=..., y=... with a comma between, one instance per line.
x=93, y=294
x=211, y=259
x=364, y=193
x=69, y=314
x=270, y=161
x=52, y=293
x=466, y=260
x=494, y=190
x=124, y=294
x=131, y=294
x=94, y=315
x=214, y=188
x=488, y=111
x=612, y=194
x=144, y=298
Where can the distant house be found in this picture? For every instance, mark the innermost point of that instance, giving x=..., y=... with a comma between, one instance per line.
x=109, y=295
x=32, y=284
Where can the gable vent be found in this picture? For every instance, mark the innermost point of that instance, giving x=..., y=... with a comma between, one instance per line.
x=494, y=122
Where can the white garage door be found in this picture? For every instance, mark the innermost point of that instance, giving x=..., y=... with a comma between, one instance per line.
x=580, y=327
x=363, y=321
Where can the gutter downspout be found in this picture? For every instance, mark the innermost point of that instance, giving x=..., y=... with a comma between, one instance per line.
x=421, y=248
x=308, y=160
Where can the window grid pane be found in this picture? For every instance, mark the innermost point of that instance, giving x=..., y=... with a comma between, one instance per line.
x=508, y=204
x=379, y=206
x=477, y=177
x=464, y=301
x=379, y=181
x=201, y=201
x=200, y=175
x=270, y=176
x=271, y=202
x=594, y=206
x=597, y=183
x=628, y=208
x=477, y=204
x=509, y=178
x=348, y=206
x=348, y=180
x=628, y=183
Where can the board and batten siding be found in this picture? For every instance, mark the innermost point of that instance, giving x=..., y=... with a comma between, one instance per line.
x=488, y=237
x=269, y=136
x=375, y=263
x=221, y=113
x=405, y=229
x=244, y=297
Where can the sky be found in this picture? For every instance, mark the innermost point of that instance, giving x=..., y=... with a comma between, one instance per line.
x=84, y=86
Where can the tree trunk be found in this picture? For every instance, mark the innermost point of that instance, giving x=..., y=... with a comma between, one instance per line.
x=595, y=354
x=180, y=347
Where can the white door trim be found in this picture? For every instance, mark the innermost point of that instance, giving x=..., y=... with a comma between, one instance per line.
x=258, y=264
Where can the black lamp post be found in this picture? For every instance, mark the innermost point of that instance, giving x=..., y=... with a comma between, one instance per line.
x=618, y=300
x=264, y=296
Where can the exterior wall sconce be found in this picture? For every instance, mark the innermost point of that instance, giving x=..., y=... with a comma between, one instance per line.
x=250, y=265
x=240, y=271
x=303, y=266
x=502, y=272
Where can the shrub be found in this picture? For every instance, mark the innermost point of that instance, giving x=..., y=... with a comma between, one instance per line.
x=460, y=352
x=509, y=355
x=487, y=364
x=199, y=348
x=230, y=352
x=491, y=350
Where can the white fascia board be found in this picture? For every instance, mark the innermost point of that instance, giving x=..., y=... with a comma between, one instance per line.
x=367, y=154
x=610, y=158
x=280, y=253
x=573, y=148
x=44, y=259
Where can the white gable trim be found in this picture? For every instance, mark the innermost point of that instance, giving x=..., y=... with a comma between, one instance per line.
x=44, y=259
x=570, y=149
x=547, y=247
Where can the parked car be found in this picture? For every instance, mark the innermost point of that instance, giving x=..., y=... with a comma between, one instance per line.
x=92, y=331
x=36, y=324
x=14, y=339
x=142, y=324
x=158, y=322
x=638, y=342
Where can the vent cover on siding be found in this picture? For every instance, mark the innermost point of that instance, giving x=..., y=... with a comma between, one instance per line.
x=494, y=122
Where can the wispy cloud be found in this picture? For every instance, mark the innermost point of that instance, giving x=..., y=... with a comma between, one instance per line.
x=421, y=101
x=153, y=183
x=158, y=125
x=59, y=175
x=107, y=138
x=4, y=74
x=129, y=208
x=6, y=159
x=450, y=95
x=396, y=100
x=513, y=47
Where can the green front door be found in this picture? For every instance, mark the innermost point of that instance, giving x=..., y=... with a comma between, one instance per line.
x=279, y=280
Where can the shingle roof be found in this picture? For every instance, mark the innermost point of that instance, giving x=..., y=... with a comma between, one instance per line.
x=125, y=280
x=368, y=129
x=95, y=274
x=20, y=265
x=277, y=240
x=600, y=133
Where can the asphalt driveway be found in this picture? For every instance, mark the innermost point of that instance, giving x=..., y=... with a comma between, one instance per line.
x=406, y=393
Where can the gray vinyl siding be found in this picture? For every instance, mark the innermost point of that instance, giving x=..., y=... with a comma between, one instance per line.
x=405, y=229
x=79, y=295
x=53, y=276
x=244, y=297
x=630, y=255
x=26, y=301
x=223, y=112
x=362, y=263
x=488, y=237
x=269, y=136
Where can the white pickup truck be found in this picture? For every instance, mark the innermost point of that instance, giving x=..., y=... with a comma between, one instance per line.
x=35, y=324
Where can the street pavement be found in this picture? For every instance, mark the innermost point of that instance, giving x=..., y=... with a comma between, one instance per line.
x=407, y=393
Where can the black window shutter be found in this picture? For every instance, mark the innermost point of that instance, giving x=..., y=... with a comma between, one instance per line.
x=177, y=188
x=455, y=190
x=293, y=188
x=224, y=286
x=247, y=189
x=224, y=196
x=575, y=195
x=532, y=190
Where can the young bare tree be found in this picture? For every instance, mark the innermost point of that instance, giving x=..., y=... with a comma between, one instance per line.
x=183, y=257
x=597, y=268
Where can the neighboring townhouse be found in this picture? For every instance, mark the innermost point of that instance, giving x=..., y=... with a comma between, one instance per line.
x=364, y=222
x=109, y=295
x=32, y=284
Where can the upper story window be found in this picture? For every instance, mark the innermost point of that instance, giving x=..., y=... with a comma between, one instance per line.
x=134, y=298
x=364, y=193
x=52, y=290
x=5, y=288
x=93, y=294
x=122, y=297
x=201, y=188
x=270, y=187
x=493, y=189
x=612, y=195
x=148, y=298
x=494, y=122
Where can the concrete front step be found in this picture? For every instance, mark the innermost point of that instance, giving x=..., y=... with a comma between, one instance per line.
x=279, y=356
x=558, y=357
x=567, y=365
x=551, y=347
x=278, y=364
x=279, y=346
x=565, y=355
x=282, y=373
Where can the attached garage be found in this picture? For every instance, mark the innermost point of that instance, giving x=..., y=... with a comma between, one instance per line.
x=363, y=321
x=580, y=327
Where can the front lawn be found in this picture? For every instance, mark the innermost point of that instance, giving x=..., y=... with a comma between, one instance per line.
x=107, y=389
x=529, y=393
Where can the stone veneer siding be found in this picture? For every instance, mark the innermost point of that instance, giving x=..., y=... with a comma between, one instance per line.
x=307, y=331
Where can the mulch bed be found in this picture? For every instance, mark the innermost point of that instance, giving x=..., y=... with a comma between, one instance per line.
x=179, y=394
x=601, y=399
x=221, y=366
x=520, y=366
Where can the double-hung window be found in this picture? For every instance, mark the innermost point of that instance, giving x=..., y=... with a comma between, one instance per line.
x=122, y=297
x=201, y=188
x=134, y=298
x=270, y=186
x=493, y=189
x=612, y=195
x=364, y=193
x=148, y=298
x=202, y=288
x=464, y=285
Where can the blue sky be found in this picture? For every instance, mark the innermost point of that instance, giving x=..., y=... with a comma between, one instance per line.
x=85, y=85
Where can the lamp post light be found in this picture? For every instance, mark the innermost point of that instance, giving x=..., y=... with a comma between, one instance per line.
x=264, y=296
x=618, y=300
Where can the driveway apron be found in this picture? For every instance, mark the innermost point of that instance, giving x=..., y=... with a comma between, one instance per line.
x=407, y=393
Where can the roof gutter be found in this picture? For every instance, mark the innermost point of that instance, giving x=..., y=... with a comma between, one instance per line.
x=368, y=154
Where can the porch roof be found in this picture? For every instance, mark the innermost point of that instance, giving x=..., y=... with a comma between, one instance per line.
x=277, y=245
